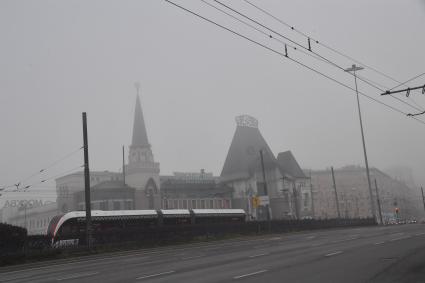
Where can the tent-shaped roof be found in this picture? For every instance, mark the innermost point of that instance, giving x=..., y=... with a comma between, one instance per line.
x=243, y=158
x=288, y=165
x=140, y=137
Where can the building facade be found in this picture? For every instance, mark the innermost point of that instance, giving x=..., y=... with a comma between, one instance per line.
x=35, y=219
x=354, y=199
x=243, y=172
x=194, y=191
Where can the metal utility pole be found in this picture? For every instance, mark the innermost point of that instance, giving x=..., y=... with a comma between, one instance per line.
x=353, y=69
x=379, y=202
x=87, y=181
x=295, y=193
x=336, y=194
x=123, y=165
x=265, y=186
x=423, y=198
x=312, y=197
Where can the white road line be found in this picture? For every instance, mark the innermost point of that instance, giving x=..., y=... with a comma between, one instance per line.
x=155, y=275
x=401, y=238
x=78, y=275
x=379, y=243
x=191, y=257
x=275, y=238
x=419, y=234
x=334, y=253
x=250, y=274
x=257, y=255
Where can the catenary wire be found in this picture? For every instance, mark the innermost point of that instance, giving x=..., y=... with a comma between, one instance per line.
x=321, y=43
x=317, y=54
x=24, y=189
x=409, y=80
x=340, y=53
x=283, y=55
x=42, y=170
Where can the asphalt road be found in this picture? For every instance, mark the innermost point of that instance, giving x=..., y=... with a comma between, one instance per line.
x=366, y=254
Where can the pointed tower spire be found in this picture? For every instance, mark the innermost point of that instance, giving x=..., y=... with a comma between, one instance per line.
x=140, y=137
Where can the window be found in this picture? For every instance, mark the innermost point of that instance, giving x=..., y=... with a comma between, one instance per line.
x=193, y=203
x=202, y=203
x=128, y=205
x=170, y=204
x=104, y=205
x=176, y=204
x=219, y=203
x=306, y=199
x=184, y=204
x=211, y=203
x=117, y=205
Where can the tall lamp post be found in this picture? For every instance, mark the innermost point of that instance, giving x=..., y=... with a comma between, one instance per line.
x=353, y=69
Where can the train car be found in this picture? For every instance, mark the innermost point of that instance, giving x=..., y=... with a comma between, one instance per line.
x=111, y=226
x=69, y=229
x=212, y=216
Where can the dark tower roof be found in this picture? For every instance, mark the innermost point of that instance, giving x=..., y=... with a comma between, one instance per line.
x=243, y=158
x=140, y=137
x=289, y=165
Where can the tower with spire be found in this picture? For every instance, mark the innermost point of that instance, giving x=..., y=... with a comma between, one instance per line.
x=142, y=172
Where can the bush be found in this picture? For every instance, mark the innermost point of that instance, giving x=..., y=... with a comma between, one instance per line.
x=12, y=238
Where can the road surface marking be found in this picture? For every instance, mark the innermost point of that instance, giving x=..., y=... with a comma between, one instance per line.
x=250, y=274
x=419, y=234
x=379, y=243
x=155, y=275
x=334, y=253
x=275, y=238
x=78, y=275
x=311, y=237
x=192, y=257
x=257, y=255
x=401, y=238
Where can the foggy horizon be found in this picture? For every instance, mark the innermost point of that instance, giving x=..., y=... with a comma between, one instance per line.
x=61, y=59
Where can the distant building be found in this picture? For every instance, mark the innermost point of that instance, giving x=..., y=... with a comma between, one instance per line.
x=140, y=186
x=242, y=171
x=144, y=188
x=140, y=191
x=353, y=194
x=142, y=172
x=194, y=190
x=108, y=195
x=34, y=219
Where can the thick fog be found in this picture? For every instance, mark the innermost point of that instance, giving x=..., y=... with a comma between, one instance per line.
x=60, y=58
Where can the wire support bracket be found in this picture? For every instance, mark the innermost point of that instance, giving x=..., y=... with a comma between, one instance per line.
x=407, y=90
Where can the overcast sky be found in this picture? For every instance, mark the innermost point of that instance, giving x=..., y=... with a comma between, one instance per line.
x=60, y=58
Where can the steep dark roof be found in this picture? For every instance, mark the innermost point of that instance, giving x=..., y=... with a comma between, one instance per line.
x=289, y=165
x=243, y=158
x=140, y=137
